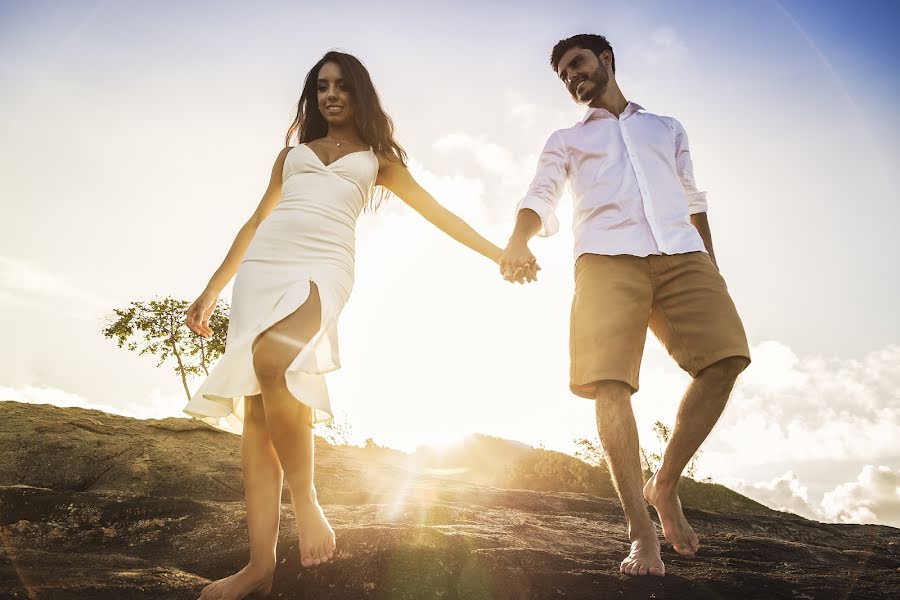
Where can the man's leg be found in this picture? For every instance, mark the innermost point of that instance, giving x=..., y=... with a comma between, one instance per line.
x=619, y=437
x=700, y=408
x=610, y=314
x=694, y=317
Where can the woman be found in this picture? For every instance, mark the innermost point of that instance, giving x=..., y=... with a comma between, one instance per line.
x=294, y=264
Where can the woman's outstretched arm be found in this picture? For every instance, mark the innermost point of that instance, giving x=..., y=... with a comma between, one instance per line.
x=393, y=175
x=199, y=312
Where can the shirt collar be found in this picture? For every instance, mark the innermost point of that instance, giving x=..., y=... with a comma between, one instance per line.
x=599, y=113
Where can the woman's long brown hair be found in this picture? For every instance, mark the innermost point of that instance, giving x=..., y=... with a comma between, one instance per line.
x=374, y=126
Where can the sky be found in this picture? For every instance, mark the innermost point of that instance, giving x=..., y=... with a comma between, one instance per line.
x=135, y=139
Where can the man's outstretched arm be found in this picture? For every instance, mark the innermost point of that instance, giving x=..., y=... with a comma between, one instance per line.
x=517, y=263
x=536, y=212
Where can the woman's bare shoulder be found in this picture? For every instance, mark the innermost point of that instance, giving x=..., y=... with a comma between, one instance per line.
x=388, y=160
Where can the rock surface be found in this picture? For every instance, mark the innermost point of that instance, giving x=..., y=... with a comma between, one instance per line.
x=96, y=506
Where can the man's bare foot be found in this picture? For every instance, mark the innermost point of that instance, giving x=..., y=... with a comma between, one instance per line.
x=317, y=541
x=644, y=558
x=247, y=581
x=677, y=530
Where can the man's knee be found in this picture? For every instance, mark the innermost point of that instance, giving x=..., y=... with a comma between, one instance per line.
x=611, y=392
x=725, y=371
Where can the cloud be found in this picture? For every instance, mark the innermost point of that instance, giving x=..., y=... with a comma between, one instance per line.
x=798, y=430
x=153, y=405
x=523, y=113
x=873, y=498
x=461, y=194
x=503, y=176
x=787, y=408
x=46, y=395
x=774, y=368
x=27, y=285
x=665, y=47
x=457, y=191
x=784, y=493
x=492, y=157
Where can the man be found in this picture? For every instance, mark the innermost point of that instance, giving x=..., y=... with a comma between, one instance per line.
x=644, y=257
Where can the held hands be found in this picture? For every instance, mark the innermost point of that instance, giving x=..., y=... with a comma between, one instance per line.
x=199, y=312
x=518, y=264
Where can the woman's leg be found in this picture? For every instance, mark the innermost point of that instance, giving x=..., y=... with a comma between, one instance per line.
x=290, y=424
x=263, y=478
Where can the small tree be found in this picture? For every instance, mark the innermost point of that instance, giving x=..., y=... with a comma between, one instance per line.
x=651, y=461
x=593, y=454
x=590, y=452
x=337, y=431
x=157, y=327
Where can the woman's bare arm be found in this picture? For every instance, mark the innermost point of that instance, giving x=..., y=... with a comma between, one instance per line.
x=199, y=312
x=235, y=254
x=393, y=175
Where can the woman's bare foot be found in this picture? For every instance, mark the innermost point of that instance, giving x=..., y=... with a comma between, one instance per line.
x=249, y=580
x=317, y=541
x=677, y=530
x=644, y=558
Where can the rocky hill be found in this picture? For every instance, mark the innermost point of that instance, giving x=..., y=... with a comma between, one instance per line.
x=96, y=506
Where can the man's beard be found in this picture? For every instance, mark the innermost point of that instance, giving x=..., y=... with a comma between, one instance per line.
x=600, y=79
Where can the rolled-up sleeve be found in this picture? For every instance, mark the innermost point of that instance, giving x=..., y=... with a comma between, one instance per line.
x=696, y=199
x=547, y=186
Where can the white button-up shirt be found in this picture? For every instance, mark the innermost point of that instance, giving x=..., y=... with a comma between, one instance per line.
x=631, y=181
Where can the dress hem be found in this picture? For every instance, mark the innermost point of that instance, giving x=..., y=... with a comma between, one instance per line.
x=304, y=376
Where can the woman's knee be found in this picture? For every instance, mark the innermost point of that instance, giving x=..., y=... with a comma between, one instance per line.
x=275, y=348
x=254, y=411
x=268, y=367
x=287, y=416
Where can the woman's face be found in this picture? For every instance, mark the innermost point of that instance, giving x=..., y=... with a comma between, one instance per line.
x=333, y=95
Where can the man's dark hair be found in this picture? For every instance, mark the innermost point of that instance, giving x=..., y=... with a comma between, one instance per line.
x=595, y=43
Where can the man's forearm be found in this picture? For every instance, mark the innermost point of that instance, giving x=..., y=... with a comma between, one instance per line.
x=701, y=223
x=516, y=261
x=528, y=223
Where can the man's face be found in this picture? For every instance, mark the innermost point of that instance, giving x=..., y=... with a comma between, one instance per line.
x=584, y=73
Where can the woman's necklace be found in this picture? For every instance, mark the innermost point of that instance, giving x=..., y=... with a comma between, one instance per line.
x=336, y=141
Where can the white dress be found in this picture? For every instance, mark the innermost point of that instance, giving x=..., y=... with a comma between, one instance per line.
x=310, y=235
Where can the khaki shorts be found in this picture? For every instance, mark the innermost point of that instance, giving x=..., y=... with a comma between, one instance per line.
x=681, y=297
